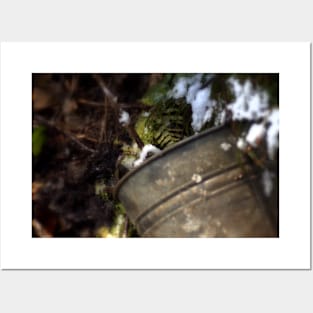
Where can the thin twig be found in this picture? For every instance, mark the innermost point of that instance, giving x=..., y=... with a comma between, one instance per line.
x=85, y=137
x=91, y=103
x=109, y=99
x=105, y=89
x=135, y=105
x=116, y=105
x=133, y=134
x=45, y=122
x=103, y=125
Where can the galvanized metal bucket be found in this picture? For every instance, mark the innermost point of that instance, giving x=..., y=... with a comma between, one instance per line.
x=199, y=188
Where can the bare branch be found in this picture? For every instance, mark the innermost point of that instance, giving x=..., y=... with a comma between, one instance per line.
x=43, y=121
x=105, y=89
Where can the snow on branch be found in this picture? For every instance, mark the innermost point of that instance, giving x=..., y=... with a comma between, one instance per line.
x=249, y=104
x=198, y=96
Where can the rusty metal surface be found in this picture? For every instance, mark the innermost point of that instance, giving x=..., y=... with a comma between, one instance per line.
x=198, y=188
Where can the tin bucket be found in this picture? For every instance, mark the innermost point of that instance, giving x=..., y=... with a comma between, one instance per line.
x=199, y=188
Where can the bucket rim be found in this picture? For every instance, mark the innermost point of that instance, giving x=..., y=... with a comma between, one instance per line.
x=165, y=152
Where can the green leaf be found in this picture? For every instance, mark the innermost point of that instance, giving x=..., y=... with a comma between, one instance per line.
x=38, y=139
x=158, y=92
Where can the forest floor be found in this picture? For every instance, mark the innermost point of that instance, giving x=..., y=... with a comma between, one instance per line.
x=77, y=141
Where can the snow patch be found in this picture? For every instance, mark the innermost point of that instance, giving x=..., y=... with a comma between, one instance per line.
x=144, y=153
x=255, y=134
x=202, y=108
x=249, y=104
x=220, y=118
x=196, y=178
x=272, y=133
x=192, y=92
x=201, y=104
x=225, y=146
x=124, y=118
x=241, y=144
x=180, y=88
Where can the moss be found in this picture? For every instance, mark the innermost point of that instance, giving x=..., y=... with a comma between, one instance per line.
x=119, y=208
x=117, y=230
x=169, y=122
x=100, y=187
x=103, y=232
x=143, y=130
